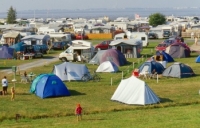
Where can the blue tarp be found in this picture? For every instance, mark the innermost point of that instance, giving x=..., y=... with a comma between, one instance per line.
x=19, y=47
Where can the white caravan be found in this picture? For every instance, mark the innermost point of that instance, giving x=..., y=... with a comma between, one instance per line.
x=134, y=35
x=80, y=50
x=161, y=29
x=60, y=37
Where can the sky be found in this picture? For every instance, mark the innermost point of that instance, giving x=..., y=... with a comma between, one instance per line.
x=21, y=5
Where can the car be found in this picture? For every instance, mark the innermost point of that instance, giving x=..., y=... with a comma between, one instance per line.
x=103, y=45
x=166, y=34
x=161, y=46
x=34, y=50
x=60, y=45
x=81, y=37
x=152, y=35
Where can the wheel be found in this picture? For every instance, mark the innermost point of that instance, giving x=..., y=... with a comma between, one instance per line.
x=96, y=78
x=85, y=78
x=64, y=59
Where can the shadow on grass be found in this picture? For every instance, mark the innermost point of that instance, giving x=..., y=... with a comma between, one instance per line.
x=75, y=93
x=164, y=100
x=1, y=68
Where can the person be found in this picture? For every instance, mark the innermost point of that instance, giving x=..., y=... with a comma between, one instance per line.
x=25, y=74
x=12, y=93
x=78, y=112
x=195, y=40
x=192, y=35
x=4, y=85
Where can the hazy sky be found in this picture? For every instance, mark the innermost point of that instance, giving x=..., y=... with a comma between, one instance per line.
x=20, y=5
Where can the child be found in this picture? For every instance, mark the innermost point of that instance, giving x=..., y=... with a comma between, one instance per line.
x=12, y=93
x=78, y=112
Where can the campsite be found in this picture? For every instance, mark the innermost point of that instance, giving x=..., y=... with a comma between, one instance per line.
x=179, y=99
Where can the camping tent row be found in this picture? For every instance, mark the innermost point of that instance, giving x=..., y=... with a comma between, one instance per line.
x=177, y=69
x=48, y=85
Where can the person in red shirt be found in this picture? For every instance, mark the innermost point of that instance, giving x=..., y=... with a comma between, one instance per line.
x=78, y=112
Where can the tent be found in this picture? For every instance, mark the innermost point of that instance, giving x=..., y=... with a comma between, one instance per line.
x=19, y=47
x=107, y=66
x=6, y=52
x=70, y=71
x=178, y=50
x=166, y=56
x=179, y=70
x=109, y=55
x=149, y=66
x=49, y=85
x=198, y=59
x=134, y=91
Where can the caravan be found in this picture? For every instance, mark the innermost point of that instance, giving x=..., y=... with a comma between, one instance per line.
x=134, y=35
x=80, y=50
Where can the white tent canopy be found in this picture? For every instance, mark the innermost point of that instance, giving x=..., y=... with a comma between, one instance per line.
x=107, y=66
x=70, y=71
x=134, y=91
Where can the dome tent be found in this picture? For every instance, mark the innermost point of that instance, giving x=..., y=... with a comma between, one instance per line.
x=149, y=66
x=49, y=85
x=107, y=66
x=178, y=70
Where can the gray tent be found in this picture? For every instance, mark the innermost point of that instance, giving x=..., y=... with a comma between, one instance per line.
x=70, y=71
x=95, y=59
x=179, y=70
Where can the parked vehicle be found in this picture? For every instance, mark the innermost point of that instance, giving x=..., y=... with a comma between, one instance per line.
x=152, y=35
x=103, y=45
x=162, y=46
x=80, y=50
x=43, y=48
x=81, y=37
x=166, y=34
x=60, y=45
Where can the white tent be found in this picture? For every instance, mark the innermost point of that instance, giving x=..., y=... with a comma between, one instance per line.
x=134, y=91
x=70, y=71
x=107, y=66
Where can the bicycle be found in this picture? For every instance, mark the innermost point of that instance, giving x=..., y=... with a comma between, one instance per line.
x=95, y=77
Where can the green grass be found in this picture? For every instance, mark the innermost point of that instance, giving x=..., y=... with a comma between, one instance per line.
x=179, y=101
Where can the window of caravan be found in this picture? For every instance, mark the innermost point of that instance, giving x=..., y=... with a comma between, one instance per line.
x=143, y=38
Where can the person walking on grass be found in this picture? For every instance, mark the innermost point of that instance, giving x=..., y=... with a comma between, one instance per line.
x=4, y=82
x=12, y=93
x=78, y=112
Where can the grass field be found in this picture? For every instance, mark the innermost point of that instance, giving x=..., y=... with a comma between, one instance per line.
x=178, y=108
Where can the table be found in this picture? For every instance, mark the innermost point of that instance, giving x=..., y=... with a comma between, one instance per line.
x=31, y=77
x=29, y=56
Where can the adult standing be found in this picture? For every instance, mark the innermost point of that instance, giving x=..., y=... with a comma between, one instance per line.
x=196, y=40
x=4, y=82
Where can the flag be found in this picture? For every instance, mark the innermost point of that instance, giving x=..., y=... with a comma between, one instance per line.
x=137, y=16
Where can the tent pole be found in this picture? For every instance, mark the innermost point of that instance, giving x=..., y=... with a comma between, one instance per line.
x=111, y=81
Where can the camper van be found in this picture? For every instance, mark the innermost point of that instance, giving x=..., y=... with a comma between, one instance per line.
x=80, y=50
x=163, y=31
x=60, y=38
x=134, y=35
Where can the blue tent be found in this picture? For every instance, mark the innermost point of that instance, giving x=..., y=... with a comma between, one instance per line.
x=198, y=59
x=19, y=47
x=49, y=85
x=166, y=56
x=6, y=52
x=149, y=66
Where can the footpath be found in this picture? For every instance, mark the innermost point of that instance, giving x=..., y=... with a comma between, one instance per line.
x=41, y=62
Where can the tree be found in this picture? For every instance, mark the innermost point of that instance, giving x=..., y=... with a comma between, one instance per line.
x=156, y=19
x=11, y=16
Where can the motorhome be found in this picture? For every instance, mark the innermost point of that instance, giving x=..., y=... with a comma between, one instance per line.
x=134, y=35
x=60, y=37
x=80, y=50
x=163, y=31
